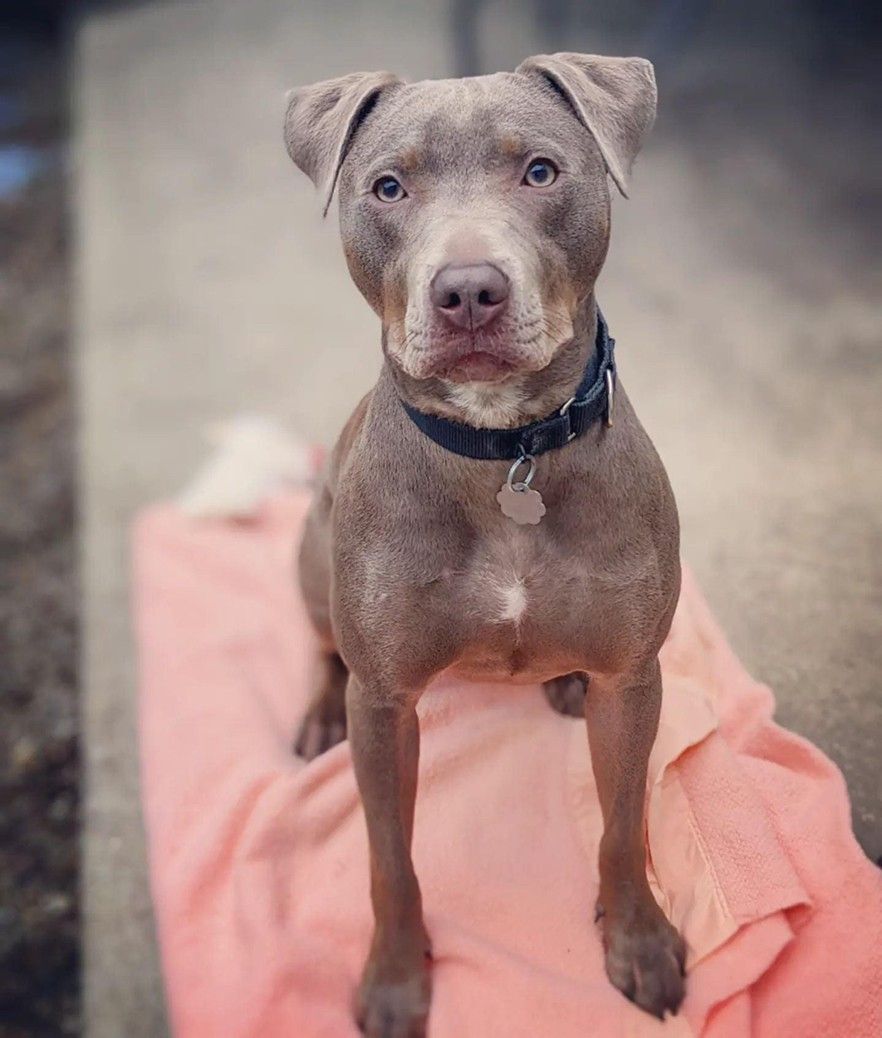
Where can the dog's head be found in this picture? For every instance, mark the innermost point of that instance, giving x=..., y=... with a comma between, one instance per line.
x=475, y=212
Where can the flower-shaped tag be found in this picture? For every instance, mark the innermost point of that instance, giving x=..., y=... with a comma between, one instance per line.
x=521, y=504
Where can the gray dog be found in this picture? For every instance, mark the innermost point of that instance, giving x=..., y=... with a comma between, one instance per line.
x=493, y=507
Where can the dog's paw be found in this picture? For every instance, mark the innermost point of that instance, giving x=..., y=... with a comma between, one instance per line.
x=566, y=694
x=393, y=1000
x=320, y=730
x=645, y=960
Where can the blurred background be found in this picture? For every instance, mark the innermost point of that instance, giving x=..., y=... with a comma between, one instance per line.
x=163, y=266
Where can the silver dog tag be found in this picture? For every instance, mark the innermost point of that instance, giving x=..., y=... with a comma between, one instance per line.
x=516, y=499
x=520, y=503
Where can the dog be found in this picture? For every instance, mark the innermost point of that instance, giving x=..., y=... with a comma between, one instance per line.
x=493, y=507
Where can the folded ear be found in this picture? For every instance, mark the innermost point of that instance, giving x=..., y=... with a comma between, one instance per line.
x=614, y=98
x=322, y=119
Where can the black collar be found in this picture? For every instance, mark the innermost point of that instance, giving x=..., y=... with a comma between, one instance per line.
x=588, y=403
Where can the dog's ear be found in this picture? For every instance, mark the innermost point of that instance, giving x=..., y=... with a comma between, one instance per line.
x=614, y=98
x=322, y=119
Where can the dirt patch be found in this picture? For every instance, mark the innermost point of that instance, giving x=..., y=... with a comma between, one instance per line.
x=39, y=803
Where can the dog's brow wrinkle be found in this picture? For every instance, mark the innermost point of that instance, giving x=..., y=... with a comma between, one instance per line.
x=382, y=159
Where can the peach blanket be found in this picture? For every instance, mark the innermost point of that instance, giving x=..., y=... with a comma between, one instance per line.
x=259, y=862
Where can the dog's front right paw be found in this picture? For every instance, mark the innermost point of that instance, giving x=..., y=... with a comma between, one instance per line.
x=645, y=959
x=393, y=999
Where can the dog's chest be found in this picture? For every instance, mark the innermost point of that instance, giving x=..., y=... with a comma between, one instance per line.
x=523, y=599
x=509, y=580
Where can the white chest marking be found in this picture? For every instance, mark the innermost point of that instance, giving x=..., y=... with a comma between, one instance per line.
x=513, y=601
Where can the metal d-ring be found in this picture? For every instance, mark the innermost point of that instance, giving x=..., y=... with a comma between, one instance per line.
x=610, y=389
x=563, y=412
x=522, y=484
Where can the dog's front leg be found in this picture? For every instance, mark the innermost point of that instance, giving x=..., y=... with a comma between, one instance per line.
x=644, y=953
x=384, y=736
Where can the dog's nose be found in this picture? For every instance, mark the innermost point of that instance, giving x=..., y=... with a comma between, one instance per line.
x=469, y=295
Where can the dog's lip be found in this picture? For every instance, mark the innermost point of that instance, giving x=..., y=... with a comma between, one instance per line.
x=478, y=366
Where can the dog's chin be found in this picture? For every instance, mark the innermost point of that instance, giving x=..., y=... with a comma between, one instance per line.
x=477, y=366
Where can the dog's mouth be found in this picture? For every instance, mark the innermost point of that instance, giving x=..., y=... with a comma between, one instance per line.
x=489, y=356
x=476, y=357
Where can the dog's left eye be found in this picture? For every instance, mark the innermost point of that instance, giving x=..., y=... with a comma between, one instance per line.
x=540, y=173
x=388, y=189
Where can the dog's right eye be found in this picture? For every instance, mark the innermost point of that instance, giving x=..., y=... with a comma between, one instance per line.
x=540, y=173
x=388, y=189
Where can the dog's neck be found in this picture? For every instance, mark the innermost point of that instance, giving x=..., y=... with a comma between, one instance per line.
x=518, y=400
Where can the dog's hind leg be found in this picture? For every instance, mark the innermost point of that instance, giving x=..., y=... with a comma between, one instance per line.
x=566, y=694
x=324, y=724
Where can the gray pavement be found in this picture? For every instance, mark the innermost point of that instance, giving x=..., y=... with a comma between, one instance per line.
x=742, y=303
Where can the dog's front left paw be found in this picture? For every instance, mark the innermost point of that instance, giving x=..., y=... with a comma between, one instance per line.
x=393, y=998
x=645, y=959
